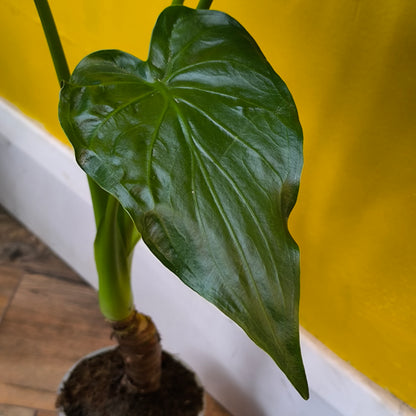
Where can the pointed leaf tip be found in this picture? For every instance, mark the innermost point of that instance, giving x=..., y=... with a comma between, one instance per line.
x=202, y=145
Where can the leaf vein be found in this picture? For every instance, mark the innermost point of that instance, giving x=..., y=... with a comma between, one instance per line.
x=188, y=135
x=247, y=204
x=113, y=113
x=231, y=134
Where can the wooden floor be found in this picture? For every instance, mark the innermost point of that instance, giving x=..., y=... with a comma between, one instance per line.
x=38, y=341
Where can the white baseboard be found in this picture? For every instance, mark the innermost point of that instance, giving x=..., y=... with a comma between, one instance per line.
x=41, y=185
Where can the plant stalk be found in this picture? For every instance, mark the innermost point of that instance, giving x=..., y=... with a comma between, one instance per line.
x=204, y=4
x=177, y=2
x=113, y=249
x=54, y=42
x=139, y=345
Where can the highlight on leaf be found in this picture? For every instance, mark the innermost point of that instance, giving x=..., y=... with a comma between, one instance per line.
x=202, y=147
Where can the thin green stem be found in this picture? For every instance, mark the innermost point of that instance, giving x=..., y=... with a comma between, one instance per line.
x=204, y=4
x=54, y=42
x=177, y=2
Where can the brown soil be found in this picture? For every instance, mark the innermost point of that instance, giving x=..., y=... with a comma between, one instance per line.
x=94, y=389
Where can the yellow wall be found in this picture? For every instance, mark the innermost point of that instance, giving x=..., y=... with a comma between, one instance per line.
x=351, y=66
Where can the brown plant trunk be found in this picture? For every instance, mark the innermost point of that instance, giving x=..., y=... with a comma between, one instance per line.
x=139, y=346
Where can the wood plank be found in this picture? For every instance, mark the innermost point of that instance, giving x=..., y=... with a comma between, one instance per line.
x=212, y=409
x=10, y=275
x=19, y=396
x=10, y=278
x=50, y=324
x=7, y=410
x=21, y=250
x=10, y=410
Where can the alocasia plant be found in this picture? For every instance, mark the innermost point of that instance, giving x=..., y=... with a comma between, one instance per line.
x=198, y=150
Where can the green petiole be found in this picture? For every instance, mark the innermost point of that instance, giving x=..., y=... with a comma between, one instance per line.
x=113, y=249
x=204, y=4
x=54, y=42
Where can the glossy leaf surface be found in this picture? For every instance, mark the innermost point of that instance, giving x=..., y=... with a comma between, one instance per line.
x=201, y=144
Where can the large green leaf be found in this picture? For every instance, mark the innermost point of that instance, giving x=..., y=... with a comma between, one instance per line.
x=201, y=144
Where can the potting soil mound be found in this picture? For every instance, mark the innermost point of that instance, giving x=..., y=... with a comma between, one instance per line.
x=94, y=389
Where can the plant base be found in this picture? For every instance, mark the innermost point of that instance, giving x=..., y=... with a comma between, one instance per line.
x=93, y=388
